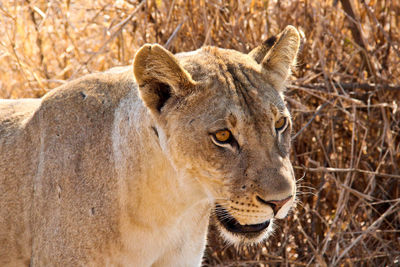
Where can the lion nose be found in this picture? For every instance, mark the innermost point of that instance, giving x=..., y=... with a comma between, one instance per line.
x=276, y=205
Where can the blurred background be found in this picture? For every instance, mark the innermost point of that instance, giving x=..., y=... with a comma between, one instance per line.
x=344, y=98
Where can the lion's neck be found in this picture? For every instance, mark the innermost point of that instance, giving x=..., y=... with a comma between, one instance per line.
x=154, y=198
x=144, y=169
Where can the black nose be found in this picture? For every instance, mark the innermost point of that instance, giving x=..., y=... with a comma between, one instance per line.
x=276, y=205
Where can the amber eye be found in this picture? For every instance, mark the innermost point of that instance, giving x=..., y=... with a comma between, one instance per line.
x=223, y=136
x=280, y=124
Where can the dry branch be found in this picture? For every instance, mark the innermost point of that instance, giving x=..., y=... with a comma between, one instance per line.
x=343, y=170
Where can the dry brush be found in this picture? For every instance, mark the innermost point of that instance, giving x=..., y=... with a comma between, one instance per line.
x=344, y=99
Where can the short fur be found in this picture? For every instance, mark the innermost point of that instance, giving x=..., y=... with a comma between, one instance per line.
x=121, y=169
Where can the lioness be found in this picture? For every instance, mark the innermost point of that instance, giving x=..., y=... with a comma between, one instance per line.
x=124, y=168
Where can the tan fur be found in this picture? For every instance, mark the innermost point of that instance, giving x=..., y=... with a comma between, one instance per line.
x=121, y=168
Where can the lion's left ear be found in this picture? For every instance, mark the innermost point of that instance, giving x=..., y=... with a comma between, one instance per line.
x=278, y=55
x=159, y=76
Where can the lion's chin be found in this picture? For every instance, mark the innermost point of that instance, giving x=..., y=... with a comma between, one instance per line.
x=236, y=233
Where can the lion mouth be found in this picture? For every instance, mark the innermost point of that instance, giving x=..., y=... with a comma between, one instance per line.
x=232, y=225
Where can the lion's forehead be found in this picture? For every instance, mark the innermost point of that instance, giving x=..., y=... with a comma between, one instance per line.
x=232, y=75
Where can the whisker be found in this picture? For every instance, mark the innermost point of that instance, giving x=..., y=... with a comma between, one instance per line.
x=308, y=194
x=301, y=178
x=305, y=186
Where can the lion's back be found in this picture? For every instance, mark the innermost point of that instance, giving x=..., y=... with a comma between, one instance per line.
x=55, y=166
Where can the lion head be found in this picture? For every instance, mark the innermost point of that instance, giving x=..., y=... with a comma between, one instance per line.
x=222, y=120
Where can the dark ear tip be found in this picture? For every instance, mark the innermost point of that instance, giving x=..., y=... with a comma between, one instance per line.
x=270, y=41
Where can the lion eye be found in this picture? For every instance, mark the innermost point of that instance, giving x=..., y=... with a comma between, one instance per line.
x=222, y=136
x=280, y=124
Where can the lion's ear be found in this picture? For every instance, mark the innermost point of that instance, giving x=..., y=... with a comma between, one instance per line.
x=159, y=76
x=281, y=57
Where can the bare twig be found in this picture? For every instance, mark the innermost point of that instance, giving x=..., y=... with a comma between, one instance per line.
x=173, y=35
x=312, y=118
x=352, y=86
x=343, y=170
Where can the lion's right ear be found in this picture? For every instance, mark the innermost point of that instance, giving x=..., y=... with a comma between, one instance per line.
x=159, y=76
x=278, y=55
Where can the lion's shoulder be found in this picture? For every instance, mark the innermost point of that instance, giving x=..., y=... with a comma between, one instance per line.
x=99, y=89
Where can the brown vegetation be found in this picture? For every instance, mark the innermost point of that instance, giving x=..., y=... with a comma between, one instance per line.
x=344, y=99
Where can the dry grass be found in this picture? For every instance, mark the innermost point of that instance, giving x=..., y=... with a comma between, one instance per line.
x=345, y=102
